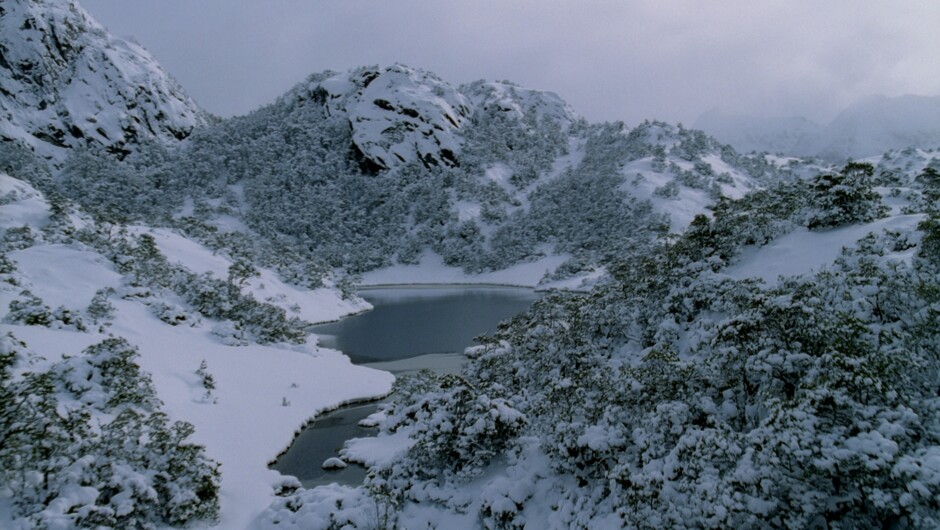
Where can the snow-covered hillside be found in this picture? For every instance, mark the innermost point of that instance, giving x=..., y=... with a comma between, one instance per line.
x=752, y=373
x=867, y=128
x=67, y=82
x=262, y=393
x=520, y=102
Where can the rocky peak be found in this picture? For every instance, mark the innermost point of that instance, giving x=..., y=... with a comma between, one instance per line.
x=397, y=114
x=65, y=81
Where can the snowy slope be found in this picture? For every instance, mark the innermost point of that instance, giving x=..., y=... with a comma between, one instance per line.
x=65, y=81
x=804, y=251
x=319, y=305
x=264, y=393
x=674, y=184
x=21, y=205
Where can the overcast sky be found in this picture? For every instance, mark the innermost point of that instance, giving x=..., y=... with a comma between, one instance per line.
x=611, y=60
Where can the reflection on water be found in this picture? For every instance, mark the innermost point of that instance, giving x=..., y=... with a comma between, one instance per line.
x=406, y=326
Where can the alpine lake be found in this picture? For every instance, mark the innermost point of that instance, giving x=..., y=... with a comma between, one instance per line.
x=410, y=328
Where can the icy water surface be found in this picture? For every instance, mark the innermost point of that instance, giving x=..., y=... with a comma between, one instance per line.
x=410, y=328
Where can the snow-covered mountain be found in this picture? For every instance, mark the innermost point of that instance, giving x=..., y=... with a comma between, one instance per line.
x=142, y=286
x=879, y=124
x=65, y=81
x=400, y=114
x=520, y=102
x=867, y=128
x=378, y=166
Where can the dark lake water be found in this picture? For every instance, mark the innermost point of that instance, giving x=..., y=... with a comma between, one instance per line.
x=409, y=328
x=412, y=321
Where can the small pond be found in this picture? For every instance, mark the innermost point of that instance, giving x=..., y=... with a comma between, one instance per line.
x=410, y=328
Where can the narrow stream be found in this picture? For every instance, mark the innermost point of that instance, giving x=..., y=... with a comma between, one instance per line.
x=409, y=329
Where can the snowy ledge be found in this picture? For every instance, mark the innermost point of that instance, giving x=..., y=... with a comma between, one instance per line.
x=431, y=270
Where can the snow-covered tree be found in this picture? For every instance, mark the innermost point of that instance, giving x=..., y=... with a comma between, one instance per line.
x=845, y=197
x=86, y=446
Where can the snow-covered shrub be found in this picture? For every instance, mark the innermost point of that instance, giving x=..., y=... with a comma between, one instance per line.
x=669, y=190
x=65, y=318
x=17, y=238
x=459, y=431
x=676, y=396
x=325, y=508
x=172, y=314
x=229, y=334
x=84, y=445
x=845, y=197
x=29, y=310
x=930, y=243
x=7, y=266
x=100, y=310
x=207, y=381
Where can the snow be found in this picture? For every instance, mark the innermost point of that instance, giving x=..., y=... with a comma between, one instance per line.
x=520, y=101
x=64, y=276
x=641, y=181
x=318, y=305
x=21, y=204
x=803, y=251
x=432, y=270
x=467, y=211
x=398, y=114
x=681, y=209
x=334, y=463
x=248, y=424
x=378, y=450
x=439, y=363
x=581, y=282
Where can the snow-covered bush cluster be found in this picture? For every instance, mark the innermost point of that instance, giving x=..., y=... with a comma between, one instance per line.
x=675, y=395
x=154, y=278
x=83, y=444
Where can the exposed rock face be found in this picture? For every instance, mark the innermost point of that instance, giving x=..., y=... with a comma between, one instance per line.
x=397, y=114
x=400, y=114
x=65, y=81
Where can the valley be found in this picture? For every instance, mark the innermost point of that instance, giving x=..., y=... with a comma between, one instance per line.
x=669, y=333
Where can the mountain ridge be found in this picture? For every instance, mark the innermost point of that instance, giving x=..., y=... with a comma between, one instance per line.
x=67, y=82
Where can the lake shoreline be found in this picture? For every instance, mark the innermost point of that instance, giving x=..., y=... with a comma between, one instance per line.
x=437, y=321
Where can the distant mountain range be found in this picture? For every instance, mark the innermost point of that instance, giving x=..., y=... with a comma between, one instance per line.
x=870, y=127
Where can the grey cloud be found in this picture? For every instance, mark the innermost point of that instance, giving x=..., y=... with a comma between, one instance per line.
x=610, y=59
